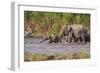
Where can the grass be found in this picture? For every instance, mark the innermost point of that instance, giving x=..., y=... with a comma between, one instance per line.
x=57, y=56
x=42, y=23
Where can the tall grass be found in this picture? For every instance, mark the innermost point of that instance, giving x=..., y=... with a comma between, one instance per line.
x=42, y=23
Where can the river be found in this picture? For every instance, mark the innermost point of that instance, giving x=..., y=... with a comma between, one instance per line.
x=34, y=46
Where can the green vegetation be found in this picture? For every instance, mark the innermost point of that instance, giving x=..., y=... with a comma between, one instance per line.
x=43, y=23
x=57, y=56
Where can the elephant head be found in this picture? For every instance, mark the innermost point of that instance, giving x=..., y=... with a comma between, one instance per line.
x=65, y=31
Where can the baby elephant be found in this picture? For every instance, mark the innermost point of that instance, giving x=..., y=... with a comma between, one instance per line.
x=52, y=39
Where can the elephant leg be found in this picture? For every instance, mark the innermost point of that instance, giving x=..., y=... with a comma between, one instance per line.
x=66, y=38
x=80, y=39
x=83, y=39
x=57, y=39
x=69, y=39
x=74, y=38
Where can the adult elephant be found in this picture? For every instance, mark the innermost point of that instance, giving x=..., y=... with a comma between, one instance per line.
x=74, y=32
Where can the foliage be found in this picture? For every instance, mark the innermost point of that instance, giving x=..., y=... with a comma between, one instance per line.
x=51, y=22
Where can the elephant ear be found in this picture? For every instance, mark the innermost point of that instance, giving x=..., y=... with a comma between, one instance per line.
x=69, y=29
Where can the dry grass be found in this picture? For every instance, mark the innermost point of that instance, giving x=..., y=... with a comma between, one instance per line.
x=58, y=56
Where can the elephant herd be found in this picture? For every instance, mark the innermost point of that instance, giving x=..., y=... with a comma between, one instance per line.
x=72, y=33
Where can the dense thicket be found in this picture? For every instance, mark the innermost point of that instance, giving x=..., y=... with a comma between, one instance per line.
x=43, y=23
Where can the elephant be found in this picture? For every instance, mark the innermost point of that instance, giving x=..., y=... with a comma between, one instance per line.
x=52, y=39
x=87, y=37
x=75, y=32
x=67, y=32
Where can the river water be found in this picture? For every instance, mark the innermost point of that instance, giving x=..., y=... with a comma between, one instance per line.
x=34, y=46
